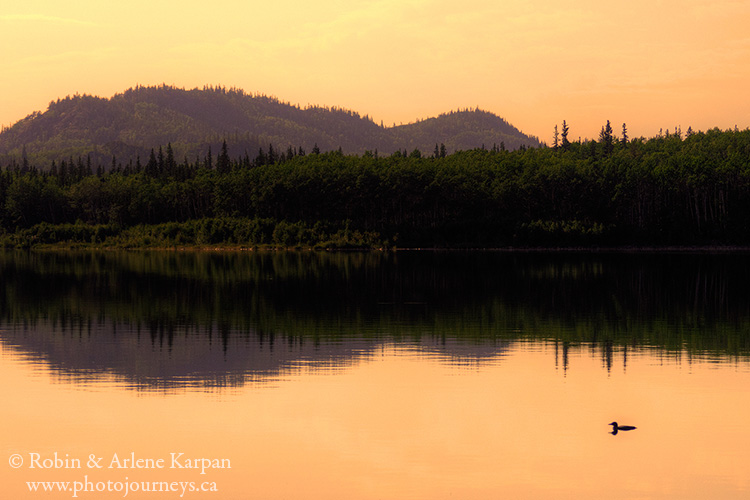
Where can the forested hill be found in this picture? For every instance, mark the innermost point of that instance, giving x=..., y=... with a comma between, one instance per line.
x=130, y=124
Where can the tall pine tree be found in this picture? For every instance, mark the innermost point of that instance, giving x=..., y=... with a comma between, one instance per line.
x=606, y=139
x=564, y=136
x=223, y=164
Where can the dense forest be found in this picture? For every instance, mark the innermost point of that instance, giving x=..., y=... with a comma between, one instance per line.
x=614, y=191
x=131, y=123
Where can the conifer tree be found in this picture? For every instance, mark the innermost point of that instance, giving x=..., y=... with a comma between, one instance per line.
x=160, y=161
x=606, y=139
x=555, y=139
x=223, y=164
x=565, y=142
x=152, y=167
x=260, y=160
x=209, y=162
x=170, y=165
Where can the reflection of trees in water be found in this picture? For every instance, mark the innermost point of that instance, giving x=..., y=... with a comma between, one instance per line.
x=163, y=301
x=625, y=298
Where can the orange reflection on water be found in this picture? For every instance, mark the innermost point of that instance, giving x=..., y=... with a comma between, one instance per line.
x=402, y=423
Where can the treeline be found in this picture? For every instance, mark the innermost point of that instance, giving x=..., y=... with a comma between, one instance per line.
x=667, y=190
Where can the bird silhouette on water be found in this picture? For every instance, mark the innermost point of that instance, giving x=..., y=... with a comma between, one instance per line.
x=616, y=428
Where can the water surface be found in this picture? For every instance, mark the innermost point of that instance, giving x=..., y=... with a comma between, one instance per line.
x=413, y=375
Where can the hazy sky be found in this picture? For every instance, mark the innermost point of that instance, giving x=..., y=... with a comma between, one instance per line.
x=650, y=63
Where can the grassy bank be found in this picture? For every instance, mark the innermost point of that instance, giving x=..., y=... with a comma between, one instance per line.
x=202, y=233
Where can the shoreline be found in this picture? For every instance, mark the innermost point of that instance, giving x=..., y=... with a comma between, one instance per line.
x=708, y=249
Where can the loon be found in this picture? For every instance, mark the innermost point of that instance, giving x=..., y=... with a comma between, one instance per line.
x=616, y=428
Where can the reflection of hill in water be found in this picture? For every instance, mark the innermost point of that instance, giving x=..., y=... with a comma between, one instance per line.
x=147, y=359
x=177, y=314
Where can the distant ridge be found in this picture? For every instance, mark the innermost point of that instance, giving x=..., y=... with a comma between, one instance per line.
x=130, y=124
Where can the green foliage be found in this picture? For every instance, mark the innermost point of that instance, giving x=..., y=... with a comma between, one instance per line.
x=563, y=233
x=663, y=191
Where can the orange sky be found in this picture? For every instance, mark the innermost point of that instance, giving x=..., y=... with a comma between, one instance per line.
x=650, y=63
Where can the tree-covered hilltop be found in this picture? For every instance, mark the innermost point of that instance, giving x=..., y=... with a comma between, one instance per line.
x=128, y=125
x=668, y=190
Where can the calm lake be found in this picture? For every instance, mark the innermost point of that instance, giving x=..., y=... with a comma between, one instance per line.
x=403, y=375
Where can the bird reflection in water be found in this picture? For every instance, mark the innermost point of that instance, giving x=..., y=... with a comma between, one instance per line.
x=617, y=428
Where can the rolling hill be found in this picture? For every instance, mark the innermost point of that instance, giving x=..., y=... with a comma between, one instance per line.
x=130, y=124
